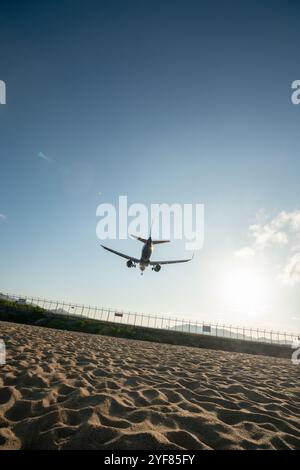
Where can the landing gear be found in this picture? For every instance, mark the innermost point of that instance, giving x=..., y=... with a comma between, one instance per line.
x=142, y=268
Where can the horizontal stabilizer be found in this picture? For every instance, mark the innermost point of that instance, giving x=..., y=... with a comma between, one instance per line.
x=140, y=239
x=156, y=242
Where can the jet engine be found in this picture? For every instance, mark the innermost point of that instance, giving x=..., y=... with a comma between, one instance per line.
x=130, y=263
x=157, y=268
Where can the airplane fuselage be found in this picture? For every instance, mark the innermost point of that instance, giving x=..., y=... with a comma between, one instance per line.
x=146, y=254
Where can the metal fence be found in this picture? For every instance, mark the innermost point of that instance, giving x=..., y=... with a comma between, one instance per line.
x=156, y=321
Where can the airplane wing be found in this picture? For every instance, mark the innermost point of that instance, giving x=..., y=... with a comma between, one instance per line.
x=153, y=263
x=121, y=254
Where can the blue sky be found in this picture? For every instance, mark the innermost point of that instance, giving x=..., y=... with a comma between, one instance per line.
x=162, y=101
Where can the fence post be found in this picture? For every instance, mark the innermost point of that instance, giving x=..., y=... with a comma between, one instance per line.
x=101, y=314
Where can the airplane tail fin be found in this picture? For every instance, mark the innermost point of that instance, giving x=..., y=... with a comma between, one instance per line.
x=140, y=239
x=156, y=242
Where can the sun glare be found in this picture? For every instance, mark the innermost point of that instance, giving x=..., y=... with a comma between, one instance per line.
x=245, y=290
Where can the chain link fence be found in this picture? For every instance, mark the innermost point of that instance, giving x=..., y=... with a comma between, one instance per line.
x=156, y=321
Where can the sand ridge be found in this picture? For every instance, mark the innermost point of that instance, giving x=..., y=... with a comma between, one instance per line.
x=67, y=390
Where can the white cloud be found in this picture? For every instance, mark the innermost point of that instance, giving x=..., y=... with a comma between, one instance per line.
x=273, y=233
x=3, y=218
x=44, y=157
x=291, y=271
x=281, y=231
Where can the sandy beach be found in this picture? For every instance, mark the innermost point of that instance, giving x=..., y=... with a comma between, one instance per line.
x=65, y=390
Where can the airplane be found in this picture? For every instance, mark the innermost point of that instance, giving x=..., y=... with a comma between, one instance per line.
x=144, y=260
